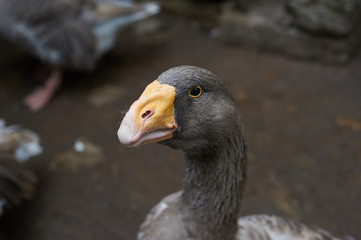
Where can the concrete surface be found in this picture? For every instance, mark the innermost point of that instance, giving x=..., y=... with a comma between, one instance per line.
x=303, y=123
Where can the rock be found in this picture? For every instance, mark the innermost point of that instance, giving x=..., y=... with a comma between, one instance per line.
x=270, y=27
x=337, y=17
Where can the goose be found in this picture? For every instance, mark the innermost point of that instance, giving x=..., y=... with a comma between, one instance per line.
x=17, y=182
x=69, y=34
x=190, y=108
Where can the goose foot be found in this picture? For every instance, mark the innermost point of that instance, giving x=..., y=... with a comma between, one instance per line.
x=39, y=98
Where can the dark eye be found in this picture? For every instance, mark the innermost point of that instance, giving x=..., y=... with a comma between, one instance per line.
x=195, y=92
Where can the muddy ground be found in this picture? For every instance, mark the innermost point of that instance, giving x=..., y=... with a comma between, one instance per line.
x=303, y=123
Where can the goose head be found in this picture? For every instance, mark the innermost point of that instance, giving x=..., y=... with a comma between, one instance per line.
x=186, y=108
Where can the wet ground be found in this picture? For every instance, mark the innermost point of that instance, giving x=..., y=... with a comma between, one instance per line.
x=303, y=124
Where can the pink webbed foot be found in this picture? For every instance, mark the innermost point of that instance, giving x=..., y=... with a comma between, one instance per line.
x=39, y=98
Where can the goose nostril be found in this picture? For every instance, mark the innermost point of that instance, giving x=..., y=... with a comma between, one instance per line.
x=147, y=114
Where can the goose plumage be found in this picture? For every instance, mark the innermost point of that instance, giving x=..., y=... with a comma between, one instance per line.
x=16, y=181
x=16, y=184
x=190, y=108
x=70, y=34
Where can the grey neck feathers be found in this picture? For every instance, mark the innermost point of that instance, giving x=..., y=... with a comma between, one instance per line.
x=215, y=180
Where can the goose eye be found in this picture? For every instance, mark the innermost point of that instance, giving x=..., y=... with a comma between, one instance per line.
x=195, y=92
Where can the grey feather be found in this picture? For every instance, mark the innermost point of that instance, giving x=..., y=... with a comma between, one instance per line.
x=16, y=184
x=68, y=33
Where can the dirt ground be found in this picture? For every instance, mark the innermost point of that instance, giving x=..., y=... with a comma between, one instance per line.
x=303, y=123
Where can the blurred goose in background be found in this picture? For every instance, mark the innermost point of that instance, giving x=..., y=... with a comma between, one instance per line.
x=66, y=33
x=190, y=108
x=16, y=182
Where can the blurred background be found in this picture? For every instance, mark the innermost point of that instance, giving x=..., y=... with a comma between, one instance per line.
x=292, y=67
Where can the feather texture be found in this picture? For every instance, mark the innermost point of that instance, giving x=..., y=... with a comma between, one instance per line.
x=264, y=227
x=16, y=182
x=252, y=227
x=68, y=33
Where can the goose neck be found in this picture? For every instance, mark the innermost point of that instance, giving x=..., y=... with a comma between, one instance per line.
x=213, y=190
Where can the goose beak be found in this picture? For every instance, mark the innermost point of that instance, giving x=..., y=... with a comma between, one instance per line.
x=151, y=118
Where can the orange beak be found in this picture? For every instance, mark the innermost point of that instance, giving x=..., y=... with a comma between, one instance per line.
x=150, y=118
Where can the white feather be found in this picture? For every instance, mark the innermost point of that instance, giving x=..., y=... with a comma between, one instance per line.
x=106, y=32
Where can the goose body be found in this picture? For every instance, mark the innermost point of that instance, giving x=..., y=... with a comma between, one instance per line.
x=190, y=108
x=71, y=34
x=165, y=222
x=16, y=182
x=68, y=33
